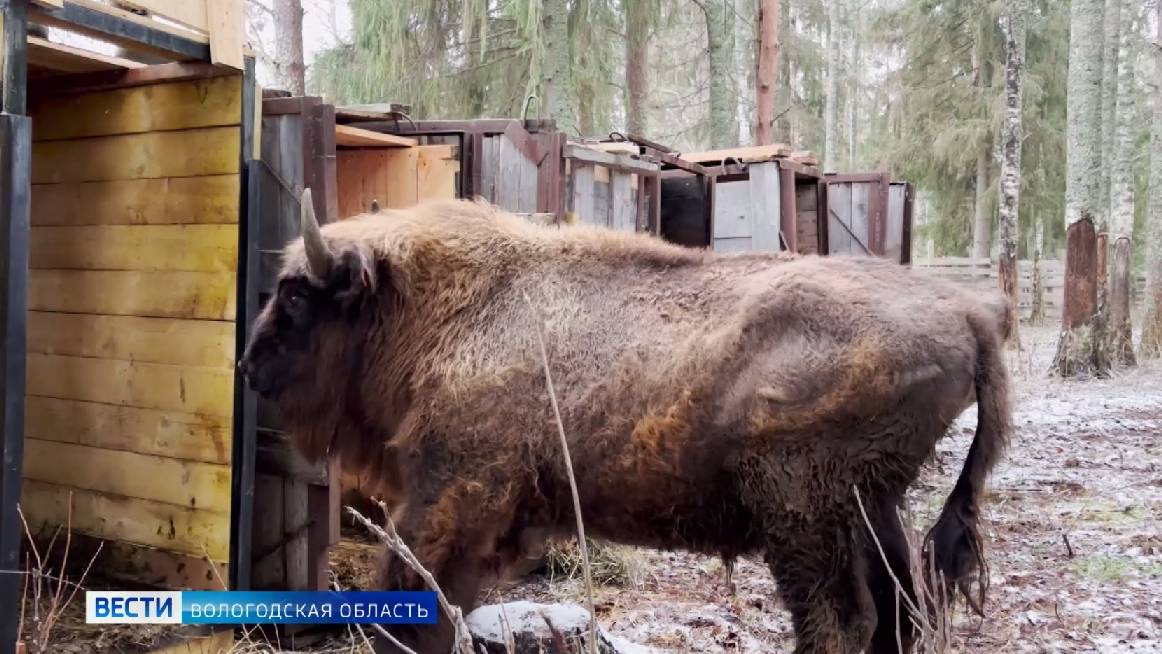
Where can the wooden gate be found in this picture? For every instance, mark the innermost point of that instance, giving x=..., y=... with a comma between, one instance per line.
x=299, y=516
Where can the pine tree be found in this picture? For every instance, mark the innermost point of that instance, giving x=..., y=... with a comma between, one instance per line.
x=557, y=83
x=1010, y=183
x=831, y=107
x=767, y=67
x=1080, y=349
x=1109, y=101
x=288, y=44
x=723, y=86
x=637, y=64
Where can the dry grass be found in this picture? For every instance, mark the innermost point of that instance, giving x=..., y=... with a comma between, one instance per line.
x=611, y=564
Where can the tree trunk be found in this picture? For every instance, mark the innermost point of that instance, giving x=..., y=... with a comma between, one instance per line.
x=1121, y=210
x=982, y=224
x=831, y=99
x=1151, y=345
x=556, y=67
x=1080, y=350
x=723, y=87
x=1014, y=23
x=1037, y=315
x=288, y=46
x=637, y=65
x=1121, y=333
x=853, y=81
x=785, y=95
x=582, y=84
x=1111, y=35
x=768, y=62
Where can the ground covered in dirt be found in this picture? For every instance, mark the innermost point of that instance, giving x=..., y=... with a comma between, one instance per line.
x=1074, y=513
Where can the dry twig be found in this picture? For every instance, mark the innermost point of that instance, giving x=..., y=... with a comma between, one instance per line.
x=538, y=325
x=391, y=538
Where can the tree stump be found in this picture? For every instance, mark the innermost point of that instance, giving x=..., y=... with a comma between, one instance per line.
x=1081, y=349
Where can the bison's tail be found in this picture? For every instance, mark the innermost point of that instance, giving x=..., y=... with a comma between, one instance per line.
x=954, y=546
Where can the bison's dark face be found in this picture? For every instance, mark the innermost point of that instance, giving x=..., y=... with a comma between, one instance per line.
x=324, y=290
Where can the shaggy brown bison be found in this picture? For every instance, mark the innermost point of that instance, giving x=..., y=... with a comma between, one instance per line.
x=724, y=404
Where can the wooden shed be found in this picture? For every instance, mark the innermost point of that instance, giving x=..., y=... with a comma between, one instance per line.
x=756, y=198
x=126, y=243
x=868, y=214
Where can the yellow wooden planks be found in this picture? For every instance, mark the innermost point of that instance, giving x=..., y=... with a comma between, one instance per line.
x=175, y=434
x=197, y=248
x=436, y=171
x=192, y=531
x=186, y=12
x=178, y=200
x=211, y=102
x=186, y=153
x=199, y=295
x=207, y=343
x=207, y=391
x=59, y=57
x=190, y=484
x=226, y=32
x=346, y=135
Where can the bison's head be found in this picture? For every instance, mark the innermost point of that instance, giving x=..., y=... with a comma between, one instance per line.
x=320, y=293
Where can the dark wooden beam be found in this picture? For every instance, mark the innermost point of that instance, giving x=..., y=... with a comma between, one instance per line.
x=15, y=15
x=114, y=79
x=15, y=164
x=115, y=29
x=245, y=400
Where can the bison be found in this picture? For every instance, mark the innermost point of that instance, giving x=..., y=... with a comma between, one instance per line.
x=724, y=404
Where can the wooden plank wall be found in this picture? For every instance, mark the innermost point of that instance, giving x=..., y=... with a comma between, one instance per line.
x=395, y=177
x=807, y=219
x=133, y=257
x=608, y=198
x=298, y=519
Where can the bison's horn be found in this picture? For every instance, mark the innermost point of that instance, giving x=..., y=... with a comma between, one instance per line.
x=318, y=255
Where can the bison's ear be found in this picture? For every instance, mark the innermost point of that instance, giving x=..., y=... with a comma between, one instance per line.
x=355, y=277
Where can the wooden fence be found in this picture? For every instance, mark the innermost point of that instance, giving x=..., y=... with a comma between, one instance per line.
x=983, y=272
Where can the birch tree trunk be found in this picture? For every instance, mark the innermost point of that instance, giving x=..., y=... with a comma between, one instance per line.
x=556, y=89
x=1151, y=345
x=1014, y=23
x=982, y=223
x=1080, y=349
x=831, y=100
x=637, y=65
x=767, y=67
x=1121, y=210
x=288, y=46
x=723, y=87
x=1109, y=102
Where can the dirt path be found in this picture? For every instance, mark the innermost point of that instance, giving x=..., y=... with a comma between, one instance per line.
x=1085, y=467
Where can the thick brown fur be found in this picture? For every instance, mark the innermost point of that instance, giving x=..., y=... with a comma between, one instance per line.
x=724, y=404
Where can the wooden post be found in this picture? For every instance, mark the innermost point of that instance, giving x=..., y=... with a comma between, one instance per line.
x=15, y=191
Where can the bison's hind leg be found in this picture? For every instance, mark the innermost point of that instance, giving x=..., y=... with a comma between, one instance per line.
x=822, y=577
x=889, y=578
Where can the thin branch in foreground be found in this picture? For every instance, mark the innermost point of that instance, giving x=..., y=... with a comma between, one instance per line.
x=389, y=536
x=538, y=325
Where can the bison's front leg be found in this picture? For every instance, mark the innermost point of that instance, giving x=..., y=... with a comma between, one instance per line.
x=452, y=538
